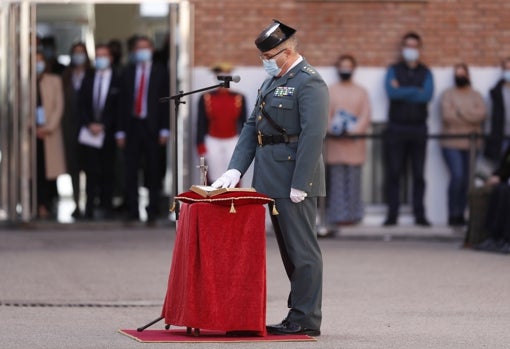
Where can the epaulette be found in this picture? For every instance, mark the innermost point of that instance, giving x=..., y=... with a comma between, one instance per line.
x=309, y=70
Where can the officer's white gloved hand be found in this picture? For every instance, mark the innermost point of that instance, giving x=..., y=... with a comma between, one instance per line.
x=228, y=180
x=297, y=195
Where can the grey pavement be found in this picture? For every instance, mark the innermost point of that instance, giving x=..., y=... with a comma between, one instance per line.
x=74, y=286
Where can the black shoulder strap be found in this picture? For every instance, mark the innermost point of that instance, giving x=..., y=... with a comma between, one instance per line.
x=271, y=121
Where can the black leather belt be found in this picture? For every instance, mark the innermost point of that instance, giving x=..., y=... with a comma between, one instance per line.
x=276, y=139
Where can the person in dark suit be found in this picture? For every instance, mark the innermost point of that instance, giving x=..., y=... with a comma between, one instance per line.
x=143, y=125
x=99, y=100
x=285, y=135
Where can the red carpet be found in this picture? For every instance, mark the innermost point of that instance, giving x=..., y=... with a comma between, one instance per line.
x=180, y=336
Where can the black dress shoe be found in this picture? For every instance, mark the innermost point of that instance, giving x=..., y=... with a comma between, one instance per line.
x=390, y=220
x=422, y=221
x=289, y=327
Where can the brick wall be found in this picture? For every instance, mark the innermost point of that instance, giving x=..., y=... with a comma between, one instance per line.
x=474, y=31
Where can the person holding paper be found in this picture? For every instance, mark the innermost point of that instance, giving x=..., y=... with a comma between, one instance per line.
x=99, y=98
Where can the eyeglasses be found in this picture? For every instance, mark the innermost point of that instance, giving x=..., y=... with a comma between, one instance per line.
x=265, y=57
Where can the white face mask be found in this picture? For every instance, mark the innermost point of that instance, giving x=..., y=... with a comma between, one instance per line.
x=271, y=67
x=410, y=54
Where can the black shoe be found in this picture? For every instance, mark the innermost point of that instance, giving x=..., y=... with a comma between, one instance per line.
x=390, y=220
x=76, y=213
x=456, y=221
x=289, y=327
x=422, y=221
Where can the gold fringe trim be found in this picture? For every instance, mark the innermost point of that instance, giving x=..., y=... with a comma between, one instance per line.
x=172, y=209
x=275, y=212
x=232, y=208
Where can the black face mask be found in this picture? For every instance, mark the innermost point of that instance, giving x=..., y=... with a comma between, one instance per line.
x=345, y=76
x=461, y=81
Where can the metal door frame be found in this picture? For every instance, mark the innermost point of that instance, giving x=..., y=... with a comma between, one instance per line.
x=17, y=99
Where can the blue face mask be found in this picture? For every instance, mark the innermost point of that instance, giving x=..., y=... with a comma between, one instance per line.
x=410, y=54
x=506, y=75
x=102, y=63
x=78, y=58
x=271, y=67
x=143, y=55
x=39, y=67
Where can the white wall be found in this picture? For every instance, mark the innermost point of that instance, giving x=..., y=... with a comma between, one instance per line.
x=483, y=78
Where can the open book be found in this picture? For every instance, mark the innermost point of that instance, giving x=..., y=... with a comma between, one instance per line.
x=208, y=191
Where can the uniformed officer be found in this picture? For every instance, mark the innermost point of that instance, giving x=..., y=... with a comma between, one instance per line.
x=220, y=118
x=284, y=134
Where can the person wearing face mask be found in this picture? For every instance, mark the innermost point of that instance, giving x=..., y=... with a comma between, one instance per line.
x=99, y=102
x=220, y=117
x=143, y=126
x=49, y=140
x=72, y=79
x=409, y=85
x=462, y=113
x=349, y=114
x=499, y=128
x=284, y=135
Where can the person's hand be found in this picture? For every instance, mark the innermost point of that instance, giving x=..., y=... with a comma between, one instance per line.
x=297, y=195
x=394, y=83
x=41, y=132
x=493, y=180
x=96, y=128
x=121, y=142
x=228, y=180
x=163, y=140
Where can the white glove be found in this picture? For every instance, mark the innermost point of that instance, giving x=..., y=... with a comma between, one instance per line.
x=297, y=195
x=228, y=180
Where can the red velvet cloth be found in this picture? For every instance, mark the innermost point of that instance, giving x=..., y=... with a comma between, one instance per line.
x=218, y=274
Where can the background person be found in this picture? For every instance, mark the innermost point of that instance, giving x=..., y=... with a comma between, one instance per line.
x=221, y=114
x=500, y=116
x=99, y=101
x=143, y=125
x=462, y=113
x=49, y=144
x=72, y=79
x=349, y=113
x=410, y=86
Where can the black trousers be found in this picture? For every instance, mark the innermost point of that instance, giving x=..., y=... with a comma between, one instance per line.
x=497, y=221
x=99, y=170
x=45, y=187
x=142, y=151
x=404, y=144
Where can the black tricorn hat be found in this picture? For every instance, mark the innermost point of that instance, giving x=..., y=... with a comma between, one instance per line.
x=273, y=35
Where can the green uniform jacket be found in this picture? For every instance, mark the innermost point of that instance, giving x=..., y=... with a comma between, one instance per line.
x=298, y=102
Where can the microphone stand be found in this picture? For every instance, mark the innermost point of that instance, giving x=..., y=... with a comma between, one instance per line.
x=177, y=102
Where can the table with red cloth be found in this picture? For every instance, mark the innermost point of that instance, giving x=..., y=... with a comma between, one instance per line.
x=217, y=278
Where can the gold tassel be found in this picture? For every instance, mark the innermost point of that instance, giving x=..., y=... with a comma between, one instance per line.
x=172, y=209
x=275, y=211
x=232, y=208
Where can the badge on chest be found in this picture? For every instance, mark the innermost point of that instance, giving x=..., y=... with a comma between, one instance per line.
x=284, y=91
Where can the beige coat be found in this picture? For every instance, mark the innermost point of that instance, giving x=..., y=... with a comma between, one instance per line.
x=52, y=98
x=354, y=99
x=462, y=111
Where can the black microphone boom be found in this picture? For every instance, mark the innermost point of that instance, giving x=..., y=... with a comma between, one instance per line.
x=228, y=78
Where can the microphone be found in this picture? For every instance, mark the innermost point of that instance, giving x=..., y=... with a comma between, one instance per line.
x=228, y=78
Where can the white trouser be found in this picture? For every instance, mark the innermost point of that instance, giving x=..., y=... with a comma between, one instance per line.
x=219, y=152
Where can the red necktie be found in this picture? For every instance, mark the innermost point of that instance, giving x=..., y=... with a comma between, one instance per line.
x=139, y=94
